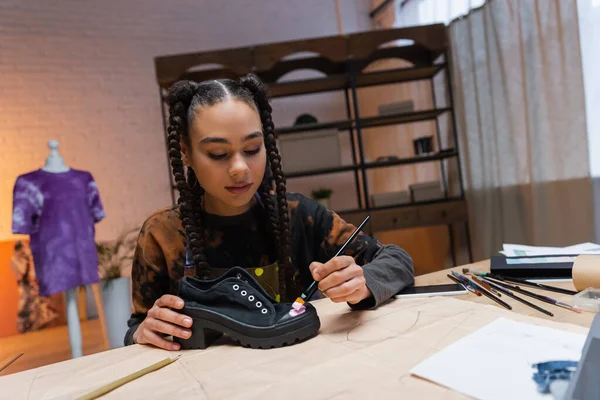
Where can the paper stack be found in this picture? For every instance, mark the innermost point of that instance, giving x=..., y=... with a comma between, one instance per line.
x=517, y=250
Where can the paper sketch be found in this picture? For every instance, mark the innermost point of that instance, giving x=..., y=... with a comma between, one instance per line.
x=496, y=361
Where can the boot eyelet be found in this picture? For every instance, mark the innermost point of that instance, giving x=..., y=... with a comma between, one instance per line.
x=236, y=287
x=258, y=304
x=250, y=298
x=239, y=276
x=264, y=310
x=243, y=293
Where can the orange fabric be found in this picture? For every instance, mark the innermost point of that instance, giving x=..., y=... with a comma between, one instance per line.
x=9, y=294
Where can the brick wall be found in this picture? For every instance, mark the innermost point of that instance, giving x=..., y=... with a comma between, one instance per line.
x=82, y=72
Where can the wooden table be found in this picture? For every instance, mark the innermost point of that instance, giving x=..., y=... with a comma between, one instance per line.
x=357, y=354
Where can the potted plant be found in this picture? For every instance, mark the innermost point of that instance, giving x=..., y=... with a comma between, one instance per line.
x=322, y=196
x=113, y=259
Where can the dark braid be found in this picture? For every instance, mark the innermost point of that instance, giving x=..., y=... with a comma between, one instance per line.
x=261, y=98
x=183, y=99
x=180, y=99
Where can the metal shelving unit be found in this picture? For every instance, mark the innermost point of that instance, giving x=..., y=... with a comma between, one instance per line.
x=342, y=60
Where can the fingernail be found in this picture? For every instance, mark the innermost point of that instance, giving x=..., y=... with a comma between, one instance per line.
x=175, y=346
x=179, y=303
x=187, y=321
x=316, y=275
x=187, y=333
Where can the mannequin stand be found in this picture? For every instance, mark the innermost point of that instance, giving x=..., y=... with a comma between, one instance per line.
x=73, y=323
x=74, y=327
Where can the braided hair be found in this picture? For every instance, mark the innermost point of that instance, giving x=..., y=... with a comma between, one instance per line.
x=183, y=100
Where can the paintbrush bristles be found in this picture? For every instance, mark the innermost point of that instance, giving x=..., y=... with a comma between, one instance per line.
x=473, y=272
x=298, y=301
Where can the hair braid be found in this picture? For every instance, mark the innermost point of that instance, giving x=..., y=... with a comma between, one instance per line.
x=179, y=100
x=272, y=225
x=286, y=273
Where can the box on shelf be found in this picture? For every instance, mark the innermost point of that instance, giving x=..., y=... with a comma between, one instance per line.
x=426, y=191
x=399, y=107
x=307, y=151
x=390, y=199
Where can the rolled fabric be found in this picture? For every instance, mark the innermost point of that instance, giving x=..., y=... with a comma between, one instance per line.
x=586, y=272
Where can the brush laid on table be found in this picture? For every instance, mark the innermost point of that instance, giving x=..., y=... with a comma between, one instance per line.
x=539, y=297
x=520, y=281
x=12, y=360
x=478, y=288
x=120, y=382
x=511, y=294
x=310, y=291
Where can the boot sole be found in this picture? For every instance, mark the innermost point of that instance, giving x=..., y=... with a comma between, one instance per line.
x=206, y=331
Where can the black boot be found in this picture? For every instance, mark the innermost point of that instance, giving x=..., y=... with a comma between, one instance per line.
x=235, y=304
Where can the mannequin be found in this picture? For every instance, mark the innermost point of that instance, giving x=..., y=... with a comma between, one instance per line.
x=62, y=233
x=54, y=162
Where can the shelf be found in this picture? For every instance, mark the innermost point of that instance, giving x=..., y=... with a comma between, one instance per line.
x=340, y=125
x=369, y=122
x=398, y=75
x=412, y=160
x=437, y=212
x=322, y=171
x=396, y=206
x=341, y=81
x=402, y=118
x=381, y=164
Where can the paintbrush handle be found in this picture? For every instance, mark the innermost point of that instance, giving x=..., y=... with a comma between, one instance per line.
x=469, y=288
x=314, y=285
x=511, y=294
x=525, y=282
x=539, y=297
x=12, y=360
x=491, y=296
x=525, y=292
x=351, y=238
x=481, y=289
x=120, y=382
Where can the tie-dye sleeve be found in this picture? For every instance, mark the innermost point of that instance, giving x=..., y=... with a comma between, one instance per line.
x=387, y=268
x=28, y=202
x=94, y=201
x=149, y=275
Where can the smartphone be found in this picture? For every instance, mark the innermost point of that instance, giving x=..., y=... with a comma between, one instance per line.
x=446, y=289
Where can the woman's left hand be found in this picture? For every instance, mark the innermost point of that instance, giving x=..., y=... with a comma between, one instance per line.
x=341, y=279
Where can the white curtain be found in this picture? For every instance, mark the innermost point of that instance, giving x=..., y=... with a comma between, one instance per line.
x=588, y=12
x=519, y=100
x=424, y=12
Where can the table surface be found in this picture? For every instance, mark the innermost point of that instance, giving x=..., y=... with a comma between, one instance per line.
x=357, y=354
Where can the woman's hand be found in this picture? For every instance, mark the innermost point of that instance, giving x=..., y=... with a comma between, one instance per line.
x=162, y=320
x=341, y=279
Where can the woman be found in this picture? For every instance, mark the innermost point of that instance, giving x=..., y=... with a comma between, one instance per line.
x=234, y=210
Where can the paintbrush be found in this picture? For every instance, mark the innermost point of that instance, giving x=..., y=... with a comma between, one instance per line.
x=481, y=289
x=12, y=360
x=540, y=297
x=304, y=297
x=523, y=282
x=511, y=294
x=120, y=382
x=468, y=287
x=486, y=286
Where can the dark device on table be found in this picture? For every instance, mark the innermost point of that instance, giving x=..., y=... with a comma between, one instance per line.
x=446, y=289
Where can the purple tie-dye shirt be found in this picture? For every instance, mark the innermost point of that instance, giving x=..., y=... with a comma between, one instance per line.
x=58, y=211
